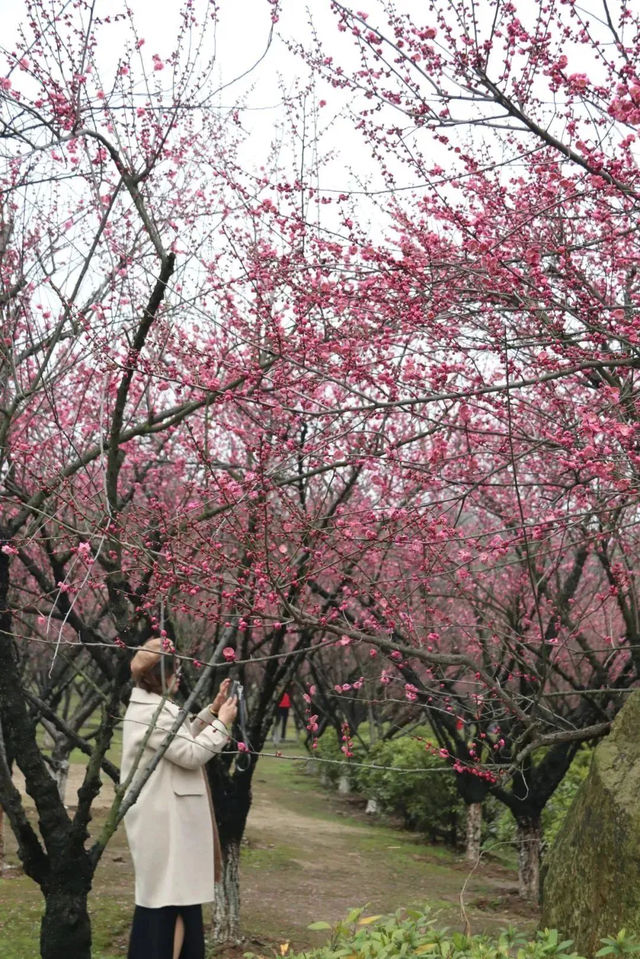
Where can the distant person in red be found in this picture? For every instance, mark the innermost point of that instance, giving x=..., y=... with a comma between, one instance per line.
x=280, y=727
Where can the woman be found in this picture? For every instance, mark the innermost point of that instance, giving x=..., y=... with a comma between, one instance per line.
x=171, y=827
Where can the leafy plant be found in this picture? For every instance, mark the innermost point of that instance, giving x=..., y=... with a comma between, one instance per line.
x=621, y=945
x=411, y=933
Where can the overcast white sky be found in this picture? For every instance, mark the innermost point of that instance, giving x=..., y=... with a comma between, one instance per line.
x=242, y=37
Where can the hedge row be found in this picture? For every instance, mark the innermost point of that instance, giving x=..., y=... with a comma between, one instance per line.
x=400, y=775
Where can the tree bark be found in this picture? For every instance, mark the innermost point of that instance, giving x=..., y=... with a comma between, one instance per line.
x=474, y=832
x=344, y=784
x=65, y=932
x=226, y=907
x=61, y=774
x=529, y=838
x=231, y=793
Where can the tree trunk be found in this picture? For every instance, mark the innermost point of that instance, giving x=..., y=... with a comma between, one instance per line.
x=60, y=776
x=1, y=842
x=344, y=784
x=65, y=932
x=226, y=907
x=474, y=832
x=373, y=730
x=529, y=837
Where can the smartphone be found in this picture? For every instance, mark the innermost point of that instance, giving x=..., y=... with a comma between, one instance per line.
x=235, y=690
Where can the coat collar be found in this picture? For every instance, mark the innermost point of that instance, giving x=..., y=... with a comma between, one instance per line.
x=139, y=695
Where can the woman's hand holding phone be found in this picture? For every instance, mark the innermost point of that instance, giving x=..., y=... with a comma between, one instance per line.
x=228, y=711
x=223, y=695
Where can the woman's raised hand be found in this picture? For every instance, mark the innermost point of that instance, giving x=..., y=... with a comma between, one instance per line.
x=223, y=695
x=228, y=711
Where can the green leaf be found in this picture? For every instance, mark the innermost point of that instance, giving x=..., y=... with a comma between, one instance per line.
x=354, y=914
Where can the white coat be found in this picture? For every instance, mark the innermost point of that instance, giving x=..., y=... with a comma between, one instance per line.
x=169, y=827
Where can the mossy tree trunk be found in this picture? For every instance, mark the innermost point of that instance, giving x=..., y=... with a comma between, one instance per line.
x=592, y=881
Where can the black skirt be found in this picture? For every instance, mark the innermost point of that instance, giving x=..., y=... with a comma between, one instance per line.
x=152, y=932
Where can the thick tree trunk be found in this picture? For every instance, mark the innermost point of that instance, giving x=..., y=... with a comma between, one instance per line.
x=529, y=837
x=226, y=907
x=474, y=832
x=231, y=791
x=65, y=932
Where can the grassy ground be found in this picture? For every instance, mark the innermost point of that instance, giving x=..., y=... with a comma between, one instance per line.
x=308, y=854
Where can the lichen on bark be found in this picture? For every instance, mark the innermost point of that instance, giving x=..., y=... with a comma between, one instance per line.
x=592, y=875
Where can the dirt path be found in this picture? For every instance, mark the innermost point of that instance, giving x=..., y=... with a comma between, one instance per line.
x=309, y=854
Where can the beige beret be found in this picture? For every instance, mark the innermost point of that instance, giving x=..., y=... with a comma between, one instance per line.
x=147, y=656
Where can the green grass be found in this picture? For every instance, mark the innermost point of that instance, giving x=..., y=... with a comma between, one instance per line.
x=269, y=857
x=20, y=914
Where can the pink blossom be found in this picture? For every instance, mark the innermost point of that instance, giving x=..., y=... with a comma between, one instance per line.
x=411, y=691
x=229, y=653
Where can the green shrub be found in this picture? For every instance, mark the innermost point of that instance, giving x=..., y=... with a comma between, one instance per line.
x=555, y=811
x=407, y=785
x=410, y=933
x=336, y=764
